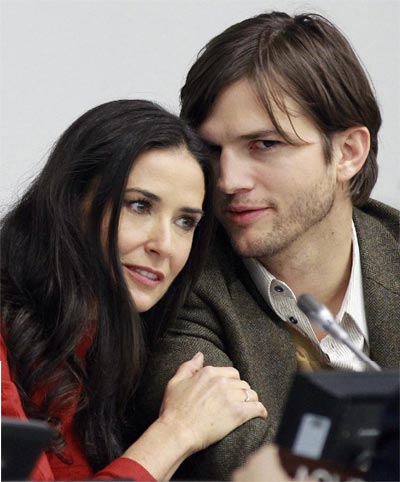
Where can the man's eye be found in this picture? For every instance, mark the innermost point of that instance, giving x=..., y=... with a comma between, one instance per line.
x=140, y=206
x=187, y=223
x=264, y=145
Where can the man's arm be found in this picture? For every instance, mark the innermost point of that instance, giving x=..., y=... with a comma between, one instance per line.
x=226, y=322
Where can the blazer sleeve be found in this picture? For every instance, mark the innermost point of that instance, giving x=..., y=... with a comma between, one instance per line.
x=196, y=330
x=211, y=324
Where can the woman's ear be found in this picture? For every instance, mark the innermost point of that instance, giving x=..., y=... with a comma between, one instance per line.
x=352, y=148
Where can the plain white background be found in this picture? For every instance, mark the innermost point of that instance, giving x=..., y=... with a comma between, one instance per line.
x=62, y=57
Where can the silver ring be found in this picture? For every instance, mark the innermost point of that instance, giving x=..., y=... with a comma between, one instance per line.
x=247, y=399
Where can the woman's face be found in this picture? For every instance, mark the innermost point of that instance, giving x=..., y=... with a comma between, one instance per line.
x=161, y=209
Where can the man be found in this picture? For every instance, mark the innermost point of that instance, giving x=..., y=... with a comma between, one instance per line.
x=290, y=112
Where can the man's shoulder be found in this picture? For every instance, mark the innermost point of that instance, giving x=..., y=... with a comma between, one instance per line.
x=222, y=261
x=224, y=276
x=375, y=215
x=378, y=228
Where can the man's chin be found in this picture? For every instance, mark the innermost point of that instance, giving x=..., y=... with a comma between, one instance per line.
x=256, y=246
x=248, y=242
x=242, y=246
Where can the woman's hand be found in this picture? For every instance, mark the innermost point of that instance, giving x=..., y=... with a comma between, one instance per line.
x=201, y=405
x=206, y=403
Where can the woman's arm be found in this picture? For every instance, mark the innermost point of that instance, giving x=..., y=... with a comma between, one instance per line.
x=201, y=405
x=11, y=406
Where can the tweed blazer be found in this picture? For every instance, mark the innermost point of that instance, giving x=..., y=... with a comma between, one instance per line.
x=227, y=319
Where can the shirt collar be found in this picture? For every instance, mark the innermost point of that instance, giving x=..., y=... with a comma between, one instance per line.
x=353, y=302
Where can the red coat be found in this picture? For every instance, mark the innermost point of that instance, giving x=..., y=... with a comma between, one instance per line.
x=75, y=466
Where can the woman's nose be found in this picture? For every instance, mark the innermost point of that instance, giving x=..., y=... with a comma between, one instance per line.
x=160, y=238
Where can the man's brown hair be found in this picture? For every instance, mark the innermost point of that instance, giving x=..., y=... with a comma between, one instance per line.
x=305, y=58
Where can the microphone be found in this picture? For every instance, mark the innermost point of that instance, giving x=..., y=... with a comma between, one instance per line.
x=323, y=318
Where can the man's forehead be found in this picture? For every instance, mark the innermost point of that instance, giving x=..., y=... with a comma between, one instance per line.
x=238, y=114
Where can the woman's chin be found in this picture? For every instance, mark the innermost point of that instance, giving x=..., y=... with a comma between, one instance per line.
x=144, y=303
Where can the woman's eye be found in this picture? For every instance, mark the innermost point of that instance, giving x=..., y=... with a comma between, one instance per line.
x=140, y=206
x=187, y=223
x=264, y=145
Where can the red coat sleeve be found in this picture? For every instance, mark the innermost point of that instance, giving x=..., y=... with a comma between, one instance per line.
x=11, y=406
x=123, y=468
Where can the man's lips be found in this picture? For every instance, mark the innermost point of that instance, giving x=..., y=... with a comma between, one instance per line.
x=244, y=214
x=144, y=275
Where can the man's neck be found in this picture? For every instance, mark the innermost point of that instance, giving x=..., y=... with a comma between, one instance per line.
x=318, y=262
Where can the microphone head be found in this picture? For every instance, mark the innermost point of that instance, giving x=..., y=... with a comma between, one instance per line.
x=320, y=316
x=308, y=304
x=315, y=311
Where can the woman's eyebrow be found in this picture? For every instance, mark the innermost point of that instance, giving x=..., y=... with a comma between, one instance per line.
x=192, y=211
x=148, y=194
x=154, y=197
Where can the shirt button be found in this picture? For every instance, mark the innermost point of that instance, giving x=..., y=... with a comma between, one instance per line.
x=278, y=288
x=293, y=320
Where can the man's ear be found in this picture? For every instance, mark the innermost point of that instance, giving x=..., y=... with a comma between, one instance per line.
x=352, y=148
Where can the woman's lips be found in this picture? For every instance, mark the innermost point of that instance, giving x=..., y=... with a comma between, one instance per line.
x=144, y=275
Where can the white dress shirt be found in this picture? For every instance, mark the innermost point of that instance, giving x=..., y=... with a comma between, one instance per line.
x=351, y=315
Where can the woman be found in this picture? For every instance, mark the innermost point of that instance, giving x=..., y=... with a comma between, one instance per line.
x=111, y=228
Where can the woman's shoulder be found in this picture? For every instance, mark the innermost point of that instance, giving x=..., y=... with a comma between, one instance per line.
x=11, y=405
x=5, y=371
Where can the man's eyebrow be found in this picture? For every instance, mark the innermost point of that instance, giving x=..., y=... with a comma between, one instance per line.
x=154, y=197
x=251, y=136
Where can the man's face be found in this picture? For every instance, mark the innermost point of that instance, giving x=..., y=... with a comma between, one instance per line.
x=270, y=192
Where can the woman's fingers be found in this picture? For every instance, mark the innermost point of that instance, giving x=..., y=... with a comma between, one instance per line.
x=221, y=383
x=209, y=402
x=189, y=368
x=223, y=372
x=246, y=400
x=240, y=389
x=195, y=364
x=226, y=410
x=253, y=410
x=248, y=395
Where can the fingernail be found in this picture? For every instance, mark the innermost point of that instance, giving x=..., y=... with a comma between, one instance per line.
x=197, y=355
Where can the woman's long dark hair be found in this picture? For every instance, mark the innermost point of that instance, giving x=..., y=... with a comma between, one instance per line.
x=59, y=288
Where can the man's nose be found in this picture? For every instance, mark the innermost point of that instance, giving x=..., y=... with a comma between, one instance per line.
x=233, y=176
